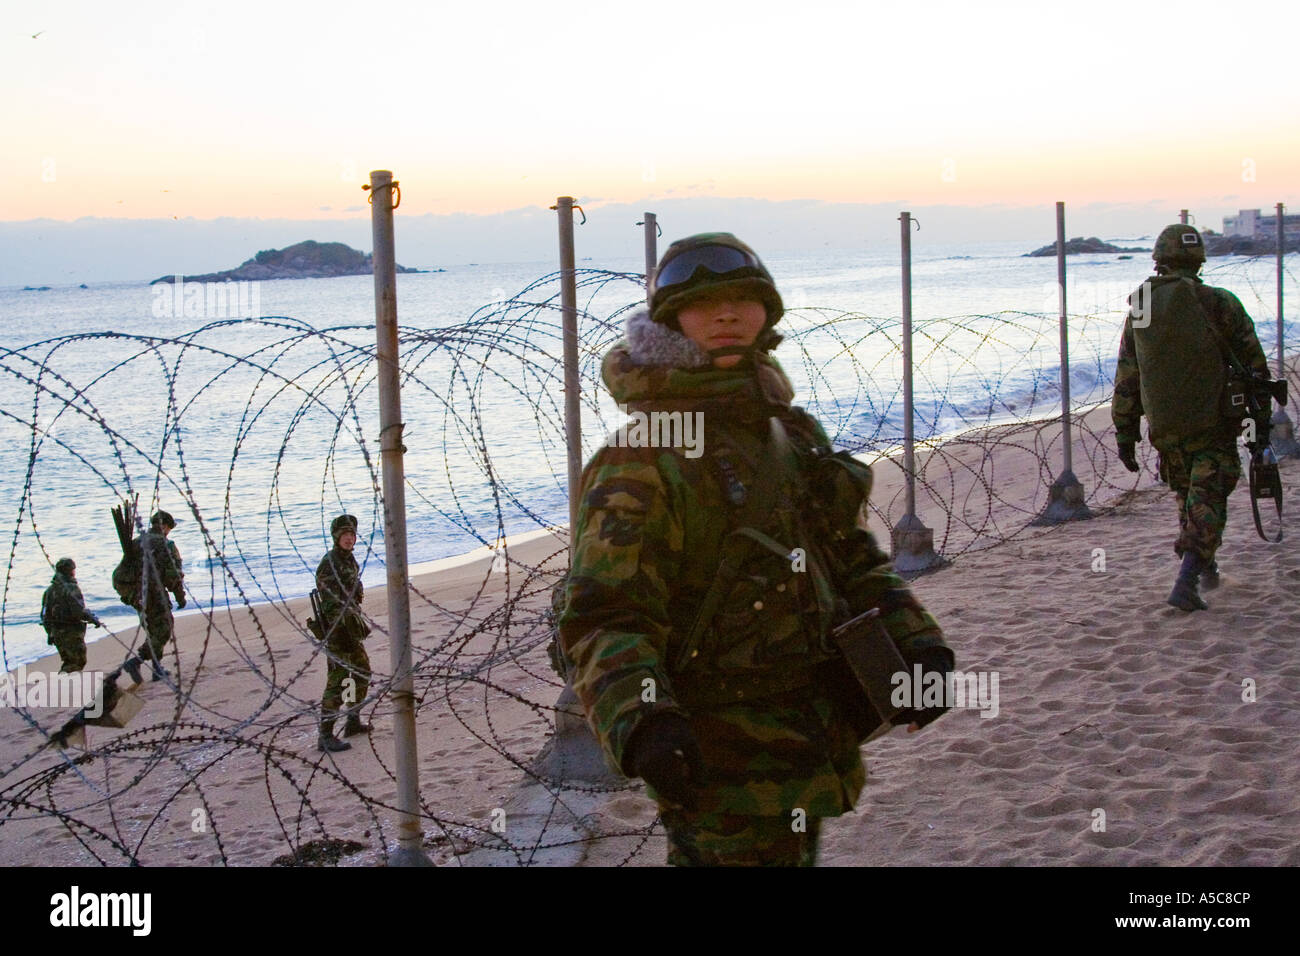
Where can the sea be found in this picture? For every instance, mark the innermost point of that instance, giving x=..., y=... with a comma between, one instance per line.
x=251, y=413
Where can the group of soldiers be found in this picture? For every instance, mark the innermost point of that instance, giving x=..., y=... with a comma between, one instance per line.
x=151, y=574
x=723, y=613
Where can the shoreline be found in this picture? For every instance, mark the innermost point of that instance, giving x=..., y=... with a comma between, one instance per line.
x=1095, y=711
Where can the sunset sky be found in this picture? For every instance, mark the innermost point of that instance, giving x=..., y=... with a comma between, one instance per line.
x=168, y=109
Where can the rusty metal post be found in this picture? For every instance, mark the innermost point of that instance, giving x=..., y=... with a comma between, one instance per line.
x=911, y=542
x=1065, y=496
x=1281, y=431
x=410, y=835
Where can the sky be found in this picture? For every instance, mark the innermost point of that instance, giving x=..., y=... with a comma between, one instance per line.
x=176, y=111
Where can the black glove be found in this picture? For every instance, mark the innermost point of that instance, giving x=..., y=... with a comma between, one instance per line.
x=180, y=601
x=664, y=753
x=1128, y=455
x=96, y=621
x=937, y=659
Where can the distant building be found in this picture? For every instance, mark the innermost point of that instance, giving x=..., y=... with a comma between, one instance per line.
x=1252, y=225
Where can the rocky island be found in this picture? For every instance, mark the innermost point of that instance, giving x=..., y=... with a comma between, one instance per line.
x=1080, y=245
x=306, y=260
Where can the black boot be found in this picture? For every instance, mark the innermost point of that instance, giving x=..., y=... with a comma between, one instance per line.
x=132, y=668
x=1184, y=596
x=159, y=672
x=1210, y=576
x=326, y=741
x=354, y=726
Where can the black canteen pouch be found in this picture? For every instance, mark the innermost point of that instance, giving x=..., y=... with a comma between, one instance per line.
x=862, y=678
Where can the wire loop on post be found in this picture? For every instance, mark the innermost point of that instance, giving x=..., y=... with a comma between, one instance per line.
x=397, y=193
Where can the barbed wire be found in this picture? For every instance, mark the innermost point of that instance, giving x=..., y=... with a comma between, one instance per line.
x=261, y=430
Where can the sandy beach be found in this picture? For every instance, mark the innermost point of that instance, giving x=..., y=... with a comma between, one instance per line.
x=1126, y=732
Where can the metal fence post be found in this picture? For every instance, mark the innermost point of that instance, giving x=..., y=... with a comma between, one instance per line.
x=410, y=835
x=1281, y=432
x=1065, y=496
x=911, y=542
x=651, y=251
x=572, y=408
x=573, y=752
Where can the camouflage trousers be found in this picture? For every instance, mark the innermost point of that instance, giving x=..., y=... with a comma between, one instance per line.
x=70, y=642
x=1202, y=476
x=732, y=839
x=345, y=658
x=158, y=624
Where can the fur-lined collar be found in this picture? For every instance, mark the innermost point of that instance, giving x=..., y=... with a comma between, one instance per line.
x=654, y=344
x=656, y=363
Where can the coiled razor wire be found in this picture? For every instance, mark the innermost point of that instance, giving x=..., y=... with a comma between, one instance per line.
x=97, y=417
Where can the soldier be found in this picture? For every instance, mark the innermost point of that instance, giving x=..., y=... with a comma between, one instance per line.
x=708, y=572
x=64, y=616
x=155, y=562
x=1172, y=368
x=338, y=579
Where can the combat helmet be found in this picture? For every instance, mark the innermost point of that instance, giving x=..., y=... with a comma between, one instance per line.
x=161, y=518
x=1179, y=245
x=710, y=261
x=65, y=566
x=342, y=523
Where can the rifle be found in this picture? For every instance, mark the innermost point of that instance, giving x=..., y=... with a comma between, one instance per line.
x=314, y=624
x=1265, y=481
x=1250, y=393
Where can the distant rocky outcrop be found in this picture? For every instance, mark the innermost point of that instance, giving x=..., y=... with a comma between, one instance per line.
x=306, y=260
x=1080, y=245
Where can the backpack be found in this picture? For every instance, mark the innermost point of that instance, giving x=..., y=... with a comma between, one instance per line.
x=126, y=576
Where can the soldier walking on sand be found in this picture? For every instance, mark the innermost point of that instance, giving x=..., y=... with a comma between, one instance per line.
x=710, y=579
x=64, y=616
x=338, y=581
x=150, y=575
x=1173, y=369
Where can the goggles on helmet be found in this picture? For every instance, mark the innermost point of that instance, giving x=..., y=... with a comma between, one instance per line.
x=719, y=260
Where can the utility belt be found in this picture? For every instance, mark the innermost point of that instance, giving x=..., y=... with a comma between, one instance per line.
x=706, y=690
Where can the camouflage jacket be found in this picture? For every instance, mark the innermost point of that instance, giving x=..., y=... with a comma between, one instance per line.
x=338, y=579
x=1233, y=325
x=160, y=564
x=63, y=606
x=655, y=523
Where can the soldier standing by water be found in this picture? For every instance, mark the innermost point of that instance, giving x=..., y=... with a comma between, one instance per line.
x=1173, y=369
x=706, y=581
x=338, y=581
x=64, y=616
x=149, y=575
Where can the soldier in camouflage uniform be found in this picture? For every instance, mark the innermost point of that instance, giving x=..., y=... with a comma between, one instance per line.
x=64, y=616
x=338, y=580
x=1172, y=369
x=161, y=576
x=727, y=698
